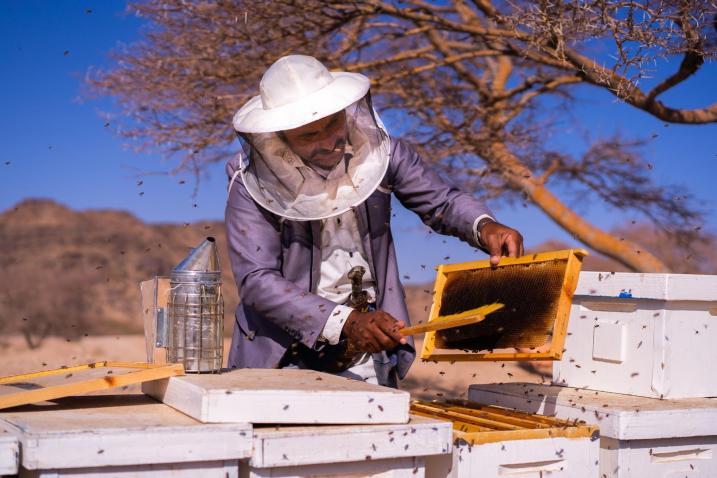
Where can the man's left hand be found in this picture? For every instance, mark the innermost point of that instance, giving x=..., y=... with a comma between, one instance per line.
x=501, y=240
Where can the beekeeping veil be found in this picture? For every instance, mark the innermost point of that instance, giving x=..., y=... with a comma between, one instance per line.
x=297, y=90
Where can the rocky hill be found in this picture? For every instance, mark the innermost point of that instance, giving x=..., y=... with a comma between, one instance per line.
x=71, y=273
x=74, y=273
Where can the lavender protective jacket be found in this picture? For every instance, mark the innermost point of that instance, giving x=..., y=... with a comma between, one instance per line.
x=276, y=262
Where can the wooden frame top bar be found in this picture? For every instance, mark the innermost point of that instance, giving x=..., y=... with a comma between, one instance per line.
x=45, y=385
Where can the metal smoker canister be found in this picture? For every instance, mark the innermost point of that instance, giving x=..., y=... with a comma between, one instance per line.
x=195, y=311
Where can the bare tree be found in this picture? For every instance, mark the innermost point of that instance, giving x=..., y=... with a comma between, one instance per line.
x=477, y=85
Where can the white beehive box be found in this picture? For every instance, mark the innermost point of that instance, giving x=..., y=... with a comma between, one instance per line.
x=385, y=451
x=9, y=452
x=639, y=437
x=493, y=442
x=650, y=335
x=286, y=396
x=123, y=435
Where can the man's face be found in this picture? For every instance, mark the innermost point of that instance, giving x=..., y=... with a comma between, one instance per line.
x=321, y=143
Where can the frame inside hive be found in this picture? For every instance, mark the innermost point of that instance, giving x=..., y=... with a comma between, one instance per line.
x=537, y=292
x=478, y=424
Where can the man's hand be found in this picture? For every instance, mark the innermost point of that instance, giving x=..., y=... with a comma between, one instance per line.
x=500, y=241
x=372, y=331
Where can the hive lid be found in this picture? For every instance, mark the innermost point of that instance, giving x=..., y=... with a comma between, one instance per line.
x=536, y=290
x=281, y=396
x=623, y=417
x=635, y=285
x=121, y=431
x=78, y=380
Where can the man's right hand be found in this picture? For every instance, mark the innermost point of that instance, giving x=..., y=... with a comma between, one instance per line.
x=372, y=331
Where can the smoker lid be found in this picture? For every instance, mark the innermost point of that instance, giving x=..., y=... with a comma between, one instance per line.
x=203, y=258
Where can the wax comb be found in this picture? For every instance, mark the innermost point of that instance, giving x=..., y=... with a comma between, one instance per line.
x=536, y=290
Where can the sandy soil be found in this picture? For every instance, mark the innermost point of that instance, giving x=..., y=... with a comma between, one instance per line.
x=425, y=380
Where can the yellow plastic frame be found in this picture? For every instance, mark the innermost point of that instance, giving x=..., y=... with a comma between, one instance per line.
x=570, y=280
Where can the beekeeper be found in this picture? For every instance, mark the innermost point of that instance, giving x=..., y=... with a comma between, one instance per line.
x=310, y=199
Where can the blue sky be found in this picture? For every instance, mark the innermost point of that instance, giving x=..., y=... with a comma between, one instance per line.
x=58, y=147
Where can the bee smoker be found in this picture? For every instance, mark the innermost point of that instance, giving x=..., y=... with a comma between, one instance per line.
x=190, y=324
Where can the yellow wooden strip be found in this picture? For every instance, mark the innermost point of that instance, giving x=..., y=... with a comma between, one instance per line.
x=479, y=438
x=469, y=317
x=483, y=311
x=523, y=422
x=508, y=414
x=43, y=373
x=429, y=341
x=489, y=356
x=466, y=427
x=570, y=282
x=136, y=364
x=498, y=411
x=460, y=417
x=78, y=388
x=76, y=368
x=509, y=261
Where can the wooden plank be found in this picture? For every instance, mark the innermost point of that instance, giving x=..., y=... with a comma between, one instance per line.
x=582, y=431
x=78, y=380
x=302, y=445
x=509, y=261
x=488, y=356
x=622, y=417
x=454, y=320
x=560, y=328
x=493, y=413
x=447, y=413
x=288, y=396
x=118, y=430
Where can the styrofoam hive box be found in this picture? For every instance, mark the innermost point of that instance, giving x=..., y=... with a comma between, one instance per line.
x=650, y=335
x=639, y=437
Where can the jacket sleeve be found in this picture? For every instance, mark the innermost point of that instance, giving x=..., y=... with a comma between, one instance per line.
x=254, y=241
x=441, y=206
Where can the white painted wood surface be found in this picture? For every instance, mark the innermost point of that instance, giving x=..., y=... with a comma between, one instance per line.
x=640, y=437
x=623, y=417
x=554, y=457
x=9, y=452
x=651, y=342
x=287, y=396
x=693, y=457
x=303, y=445
x=210, y=469
x=648, y=286
x=120, y=430
x=386, y=468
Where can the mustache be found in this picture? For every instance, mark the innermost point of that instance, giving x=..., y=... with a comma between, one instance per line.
x=340, y=143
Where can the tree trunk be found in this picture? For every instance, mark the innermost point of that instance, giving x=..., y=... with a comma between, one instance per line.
x=625, y=252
